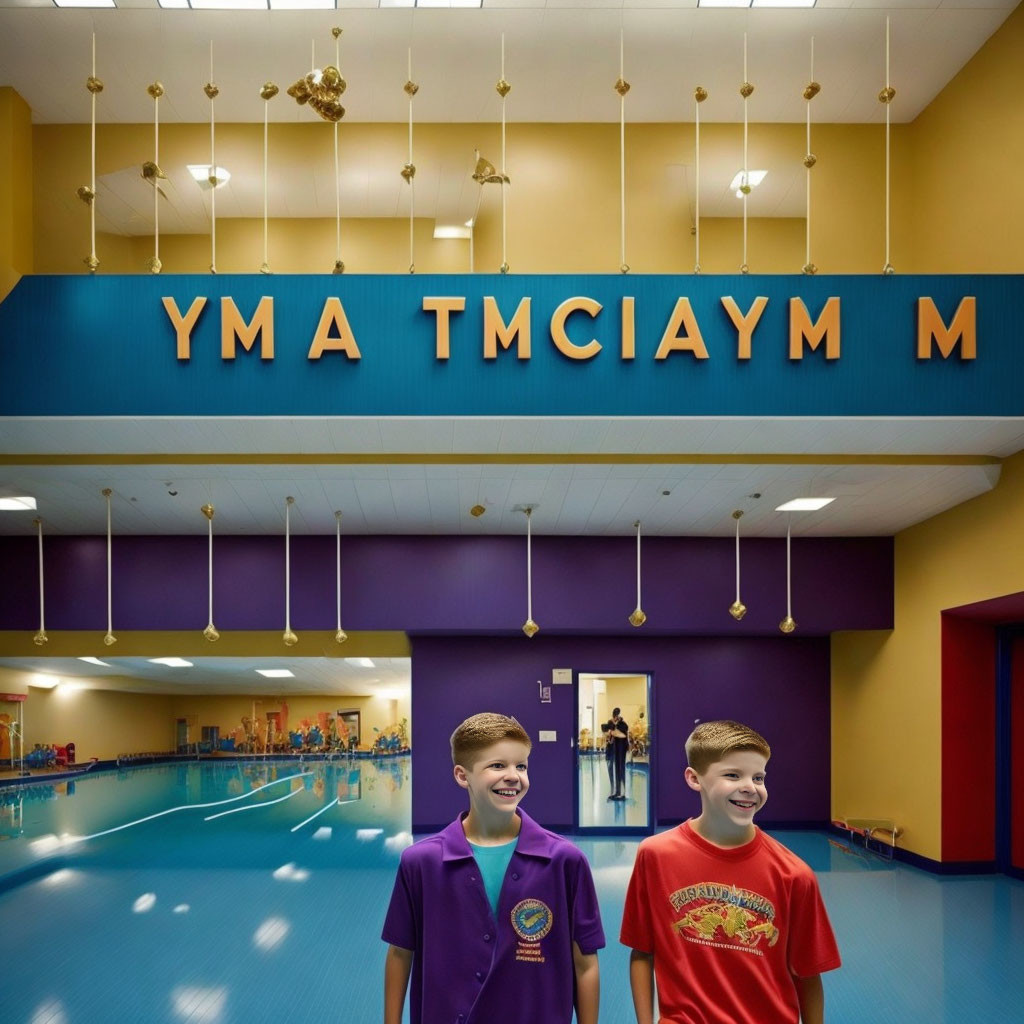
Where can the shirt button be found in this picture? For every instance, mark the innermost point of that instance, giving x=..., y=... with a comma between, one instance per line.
x=487, y=938
x=515, y=875
x=479, y=975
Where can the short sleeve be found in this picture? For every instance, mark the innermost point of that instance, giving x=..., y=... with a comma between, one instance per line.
x=400, y=922
x=812, y=945
x=587, y=931
x=636, y=929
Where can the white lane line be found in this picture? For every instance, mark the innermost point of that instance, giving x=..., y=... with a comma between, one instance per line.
x=255, y=807
x=316, y=815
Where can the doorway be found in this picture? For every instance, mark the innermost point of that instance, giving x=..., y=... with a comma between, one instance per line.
x=613, y=751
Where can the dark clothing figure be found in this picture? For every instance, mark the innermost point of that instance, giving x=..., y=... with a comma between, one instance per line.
x=618, y=730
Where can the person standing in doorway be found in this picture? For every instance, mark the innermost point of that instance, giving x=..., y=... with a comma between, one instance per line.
x=618, y=730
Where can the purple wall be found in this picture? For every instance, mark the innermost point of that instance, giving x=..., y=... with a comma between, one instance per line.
x=778, y=685
x=450, y=584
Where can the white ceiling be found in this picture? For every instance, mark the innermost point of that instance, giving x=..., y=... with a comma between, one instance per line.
x=389, y=679
x=561, y=64
x=591, y=477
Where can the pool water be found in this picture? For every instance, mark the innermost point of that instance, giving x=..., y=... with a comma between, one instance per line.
x=268, y=913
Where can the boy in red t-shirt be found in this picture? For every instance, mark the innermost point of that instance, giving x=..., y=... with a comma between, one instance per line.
x=727, y=920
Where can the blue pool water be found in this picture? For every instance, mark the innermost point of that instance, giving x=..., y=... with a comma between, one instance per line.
x=241, y=919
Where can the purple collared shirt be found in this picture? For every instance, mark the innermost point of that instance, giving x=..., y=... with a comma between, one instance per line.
x=470, y=967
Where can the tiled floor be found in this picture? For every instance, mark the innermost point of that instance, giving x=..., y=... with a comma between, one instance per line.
x=240, y=919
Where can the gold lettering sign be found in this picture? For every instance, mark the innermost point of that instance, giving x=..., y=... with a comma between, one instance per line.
x=930, y=325
x=334, y=317
x=443, y=306
x=628, y=327
x=233, y=327
x=183, y=325
x=561, y=339
x=825, y=327
x=496, y=331
x=744, y=322
x=672, y=341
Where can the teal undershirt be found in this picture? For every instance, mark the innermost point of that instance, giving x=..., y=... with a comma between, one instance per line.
x=493, y=863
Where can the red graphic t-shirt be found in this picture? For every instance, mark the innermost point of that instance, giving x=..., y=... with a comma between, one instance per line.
x=728, y=928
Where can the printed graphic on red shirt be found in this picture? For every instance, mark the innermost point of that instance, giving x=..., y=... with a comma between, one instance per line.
x=713, y=914
x=531, y=920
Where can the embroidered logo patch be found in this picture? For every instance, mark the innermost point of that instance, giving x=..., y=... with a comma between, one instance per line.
x=531, y=920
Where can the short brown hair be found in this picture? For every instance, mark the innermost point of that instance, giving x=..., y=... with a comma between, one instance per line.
x=711, y=741
x=483, y=730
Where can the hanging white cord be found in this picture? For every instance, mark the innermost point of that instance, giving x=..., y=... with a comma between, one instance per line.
x=109, y=639
x=289, y=637
x=211, y=91
x=745, y=91
x=637, y=616
x=807, y=162
x=265, y=266
x=737, y=609
x=622, y=87
x=699, y=96
x=504, y=173
x=886, y=96
x=210, y=633
x=41, y=638
x=788, y=624
x=411, y=89
x=529, y=626
x=94, y=85
x=338, y=265
x=156, y=90
x=340, y=635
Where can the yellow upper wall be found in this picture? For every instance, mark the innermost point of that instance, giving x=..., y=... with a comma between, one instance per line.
x=563, y=206
x=15, y=189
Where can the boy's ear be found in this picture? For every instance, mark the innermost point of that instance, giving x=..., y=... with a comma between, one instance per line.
x=460, y=776
x=692, y=779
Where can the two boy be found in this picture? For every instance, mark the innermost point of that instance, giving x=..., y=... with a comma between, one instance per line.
x=497, y=921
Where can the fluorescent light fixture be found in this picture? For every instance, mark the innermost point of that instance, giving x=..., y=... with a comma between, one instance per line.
x=723, y=3
x=95, y=661
x=397, y=3
x=84, y=3
x=201, y=173
x=360, y=662
x=43, y=681
x=452, y=230
x=784, y=3
x=276, y=673
x=179, y=4
x=171, y=662
x=229, y=5
x=754, y=177
x=302, y=5
x=449, y=3
x=16, y=502
x=805, y=504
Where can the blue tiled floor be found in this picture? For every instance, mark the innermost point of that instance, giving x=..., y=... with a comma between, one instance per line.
x=283, y=926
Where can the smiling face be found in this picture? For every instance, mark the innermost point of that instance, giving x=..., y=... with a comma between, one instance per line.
x=496, y=780
x=731, y=791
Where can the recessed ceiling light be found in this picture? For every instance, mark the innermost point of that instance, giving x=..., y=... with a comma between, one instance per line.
x=804, y=504
x=44, y=681
x=723, y=3
x=171, y=662
x=95, y=661
x=452, y=231
x=16, y=502
x=204, y=172
x=276, y=673
x=754, y=177
x=84, y=3
x=784, y=3
x=360, y=662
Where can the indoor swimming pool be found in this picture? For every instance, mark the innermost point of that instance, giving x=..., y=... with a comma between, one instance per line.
x=263, y=898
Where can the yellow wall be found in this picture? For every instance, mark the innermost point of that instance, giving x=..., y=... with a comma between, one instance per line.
x=15, y=189
x=101, y=723
x=628, y=693
x=226, y=711
x=563, y=207
x=886, y=687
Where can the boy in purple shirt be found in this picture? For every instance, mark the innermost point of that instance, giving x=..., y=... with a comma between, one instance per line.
x=495, y=918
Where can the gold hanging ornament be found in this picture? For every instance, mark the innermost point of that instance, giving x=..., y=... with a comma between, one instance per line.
x=810, y=91
x=267, y=92
x=210, y=633
x=788, y=624
x=87, y=193
x=109, y=640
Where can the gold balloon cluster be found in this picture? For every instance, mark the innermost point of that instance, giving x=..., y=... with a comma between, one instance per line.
x=322, y=90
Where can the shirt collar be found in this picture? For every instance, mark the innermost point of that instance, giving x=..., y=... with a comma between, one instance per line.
x=533, y=840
